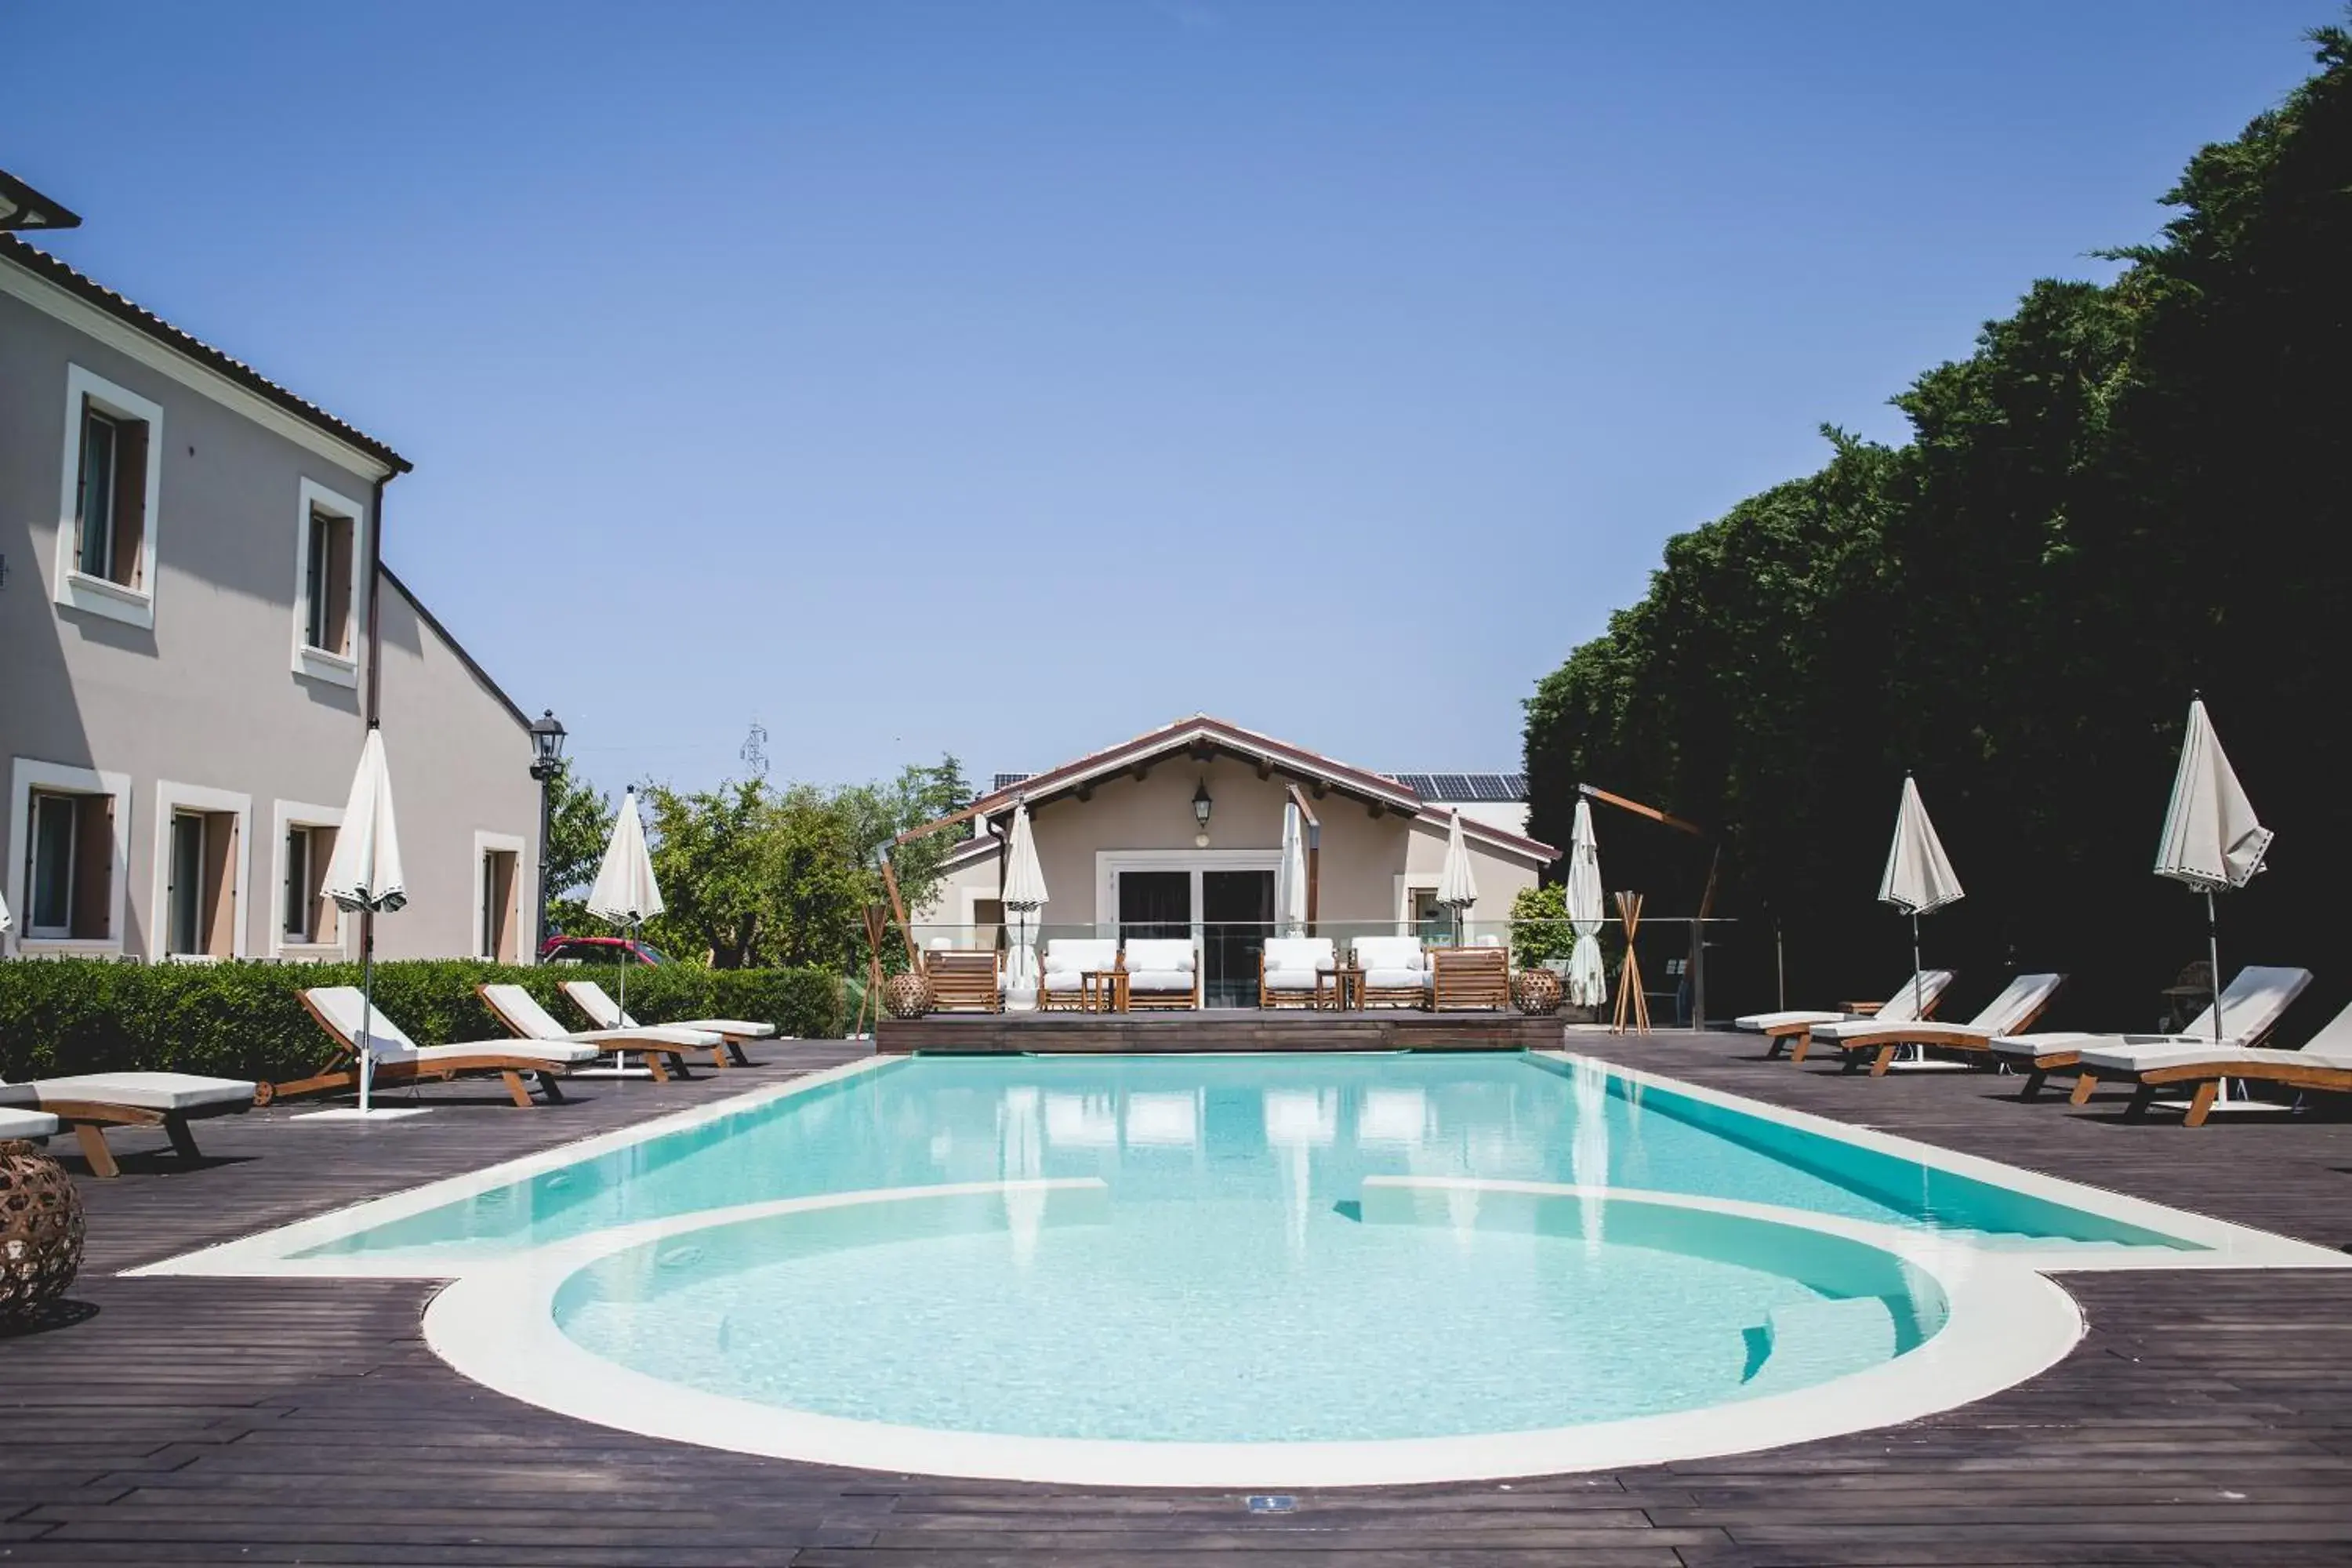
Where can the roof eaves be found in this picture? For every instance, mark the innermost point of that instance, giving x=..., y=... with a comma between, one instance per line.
x=1201, y=726
x=468, y=660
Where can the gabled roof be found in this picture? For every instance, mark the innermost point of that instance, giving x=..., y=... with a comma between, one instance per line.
x=1205, y=736
x=41, y=264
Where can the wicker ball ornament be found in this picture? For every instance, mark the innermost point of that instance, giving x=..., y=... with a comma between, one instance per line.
x=907, y=995
x=1536, y=991
x=40, y=1231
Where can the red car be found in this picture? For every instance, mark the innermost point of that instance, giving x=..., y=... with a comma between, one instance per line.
x=599, y=949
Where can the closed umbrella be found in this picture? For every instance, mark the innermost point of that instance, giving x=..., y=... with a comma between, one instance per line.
x=2212, y=839
x=1290, y=876
x=1025, y=895
x=5, y=921
x=624, y=891
x=364, y=877
x=1457, y=889
x=1588, y=977
x=1919, y=877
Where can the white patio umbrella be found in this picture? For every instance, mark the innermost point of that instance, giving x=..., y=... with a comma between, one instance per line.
x=624, y=891
x=1588, y=977
x=1025, y=895
x=364, y=877
x=2211, y=839
x=1457, y=889
x=1290, y=876
x=1919, y=876
x=5, y=922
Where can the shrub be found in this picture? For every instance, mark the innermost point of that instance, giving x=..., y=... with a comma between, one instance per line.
x=244, y=1020
x=1539, y=929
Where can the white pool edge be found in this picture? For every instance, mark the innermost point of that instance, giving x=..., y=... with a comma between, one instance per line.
x=2007, y=1322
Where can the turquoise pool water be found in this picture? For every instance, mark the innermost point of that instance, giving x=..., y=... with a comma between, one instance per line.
x=1289, y=1137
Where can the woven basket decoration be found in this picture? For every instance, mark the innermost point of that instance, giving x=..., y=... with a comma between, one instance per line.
x=40, y=1231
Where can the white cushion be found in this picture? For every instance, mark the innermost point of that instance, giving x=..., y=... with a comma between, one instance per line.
x=340, y=1005
x=1160, y=980
x=1303, y=953
x=740, y=1029
x=1390, y=952
x=17, y=1096
x=147, y=1091
x=2047, y=1044
x=1146, y=954
x=1290, y=980
x=1765, y=1023
x=554, y=1053
x=25, y=1124
x=1395, y=979
x=1073, y=955
x=1063, y=980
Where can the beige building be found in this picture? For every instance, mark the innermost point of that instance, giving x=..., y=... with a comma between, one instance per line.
x=1120, y=838
x=195, y=632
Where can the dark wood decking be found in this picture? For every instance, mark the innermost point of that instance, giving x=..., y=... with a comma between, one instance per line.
x=2207, y=1418
x=1218, y=1029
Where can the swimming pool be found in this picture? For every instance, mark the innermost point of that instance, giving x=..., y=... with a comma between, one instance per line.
x=1247, y=1269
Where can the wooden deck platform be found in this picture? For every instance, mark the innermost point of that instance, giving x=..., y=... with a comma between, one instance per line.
x=1218, y=1029
x=2206, y=1419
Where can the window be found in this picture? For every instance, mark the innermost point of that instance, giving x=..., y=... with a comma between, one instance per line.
x=199, y=887
x=305, y=924
x=498, y=918
x=327, y=586
x=185, y=897
x=69, y=870
x=106, y=517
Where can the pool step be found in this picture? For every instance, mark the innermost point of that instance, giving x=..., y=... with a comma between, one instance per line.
x=1809, y=1340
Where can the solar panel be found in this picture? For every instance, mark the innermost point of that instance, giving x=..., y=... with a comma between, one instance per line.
x=1466, y=788
x=1006, y=780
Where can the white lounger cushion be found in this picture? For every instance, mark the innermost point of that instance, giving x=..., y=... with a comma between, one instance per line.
x=1160, y=955
x=1073, y=955
x=2020, y=1000
x=554, y=1053
x=340, y=1005
x=1396, y=979
x=2151, y=1059
x=1297, y=955
x=25, y=1124
x=1388, y=953
x=164, y=1091
x=521, y=1010
x=1901, y=1007
x=606, y=1014
x=1160, y=980
x=2250, y=1006
x=1765, y=1023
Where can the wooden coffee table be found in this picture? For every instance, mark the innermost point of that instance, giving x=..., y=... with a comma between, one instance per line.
x=1346, y=990
x=1102, y=991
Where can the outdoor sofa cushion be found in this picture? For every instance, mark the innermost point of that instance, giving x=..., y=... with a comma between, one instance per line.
x=1384, y=954
x=1297, y=955
x=1290, y=979
x=25, y=1124
x=1154, y=955
x=1395, y=979
x=1072, y=955
x=1157, y=980
x=164, y=1091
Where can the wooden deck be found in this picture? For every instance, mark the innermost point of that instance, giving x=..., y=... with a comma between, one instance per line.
x=1218, y=1029
x=2206, y=1419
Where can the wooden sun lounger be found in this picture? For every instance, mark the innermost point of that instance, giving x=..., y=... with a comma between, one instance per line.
x=90, y=1103
x=964, y=980
x=1469, y=979
x=603, y=1012
x=2251, y=1008
x=519, y=1011
x=516, y=1068
x=1787, y=1030
x=2023, y=1000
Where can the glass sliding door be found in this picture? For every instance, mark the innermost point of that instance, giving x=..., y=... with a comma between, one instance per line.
x=1237, y=912
x=1155, y=904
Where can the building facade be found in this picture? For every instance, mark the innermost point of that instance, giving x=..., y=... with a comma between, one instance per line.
x=195, y=632
x=1120, y=838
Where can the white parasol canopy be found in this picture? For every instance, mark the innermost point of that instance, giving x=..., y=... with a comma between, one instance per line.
x=1588, y=977
x=624, y=891
x=364, y=876
x=2211, y=837
x=1025, y=895
x=1290, y=876
x=1918, y=876
x=1457, y=889
x=5, y=922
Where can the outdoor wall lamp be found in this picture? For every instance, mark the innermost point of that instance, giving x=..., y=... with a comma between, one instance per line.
x=547, y=761
x=547, y=735
x=1201, y=804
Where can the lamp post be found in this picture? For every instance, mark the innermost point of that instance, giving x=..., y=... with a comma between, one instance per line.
x=1201, y=804
x=547, y=761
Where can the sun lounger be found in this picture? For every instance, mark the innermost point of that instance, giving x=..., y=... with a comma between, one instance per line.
x=519, y=1010
x=1069, y=959
x=965, y=979
x=1874, y=1041
x=1469, y=979
x=604, y=1013
x=2251, y=1008
x=400, y=1060
x=1162, y=971
x=17, y=1123
x=2324, y=1063
x=1289, y=968
x=1396, y=971
x=1916, y=999
x=91, y=1103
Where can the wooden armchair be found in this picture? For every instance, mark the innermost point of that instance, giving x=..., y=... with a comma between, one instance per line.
x=964, y=980
x=1469, y=979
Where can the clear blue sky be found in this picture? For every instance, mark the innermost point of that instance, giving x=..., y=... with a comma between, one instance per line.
x=1007, y=377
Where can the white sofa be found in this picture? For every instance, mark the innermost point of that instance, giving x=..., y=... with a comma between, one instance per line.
x=1396, y=971
x=1162, y=971
x=1287, y=968
x=1066, y=960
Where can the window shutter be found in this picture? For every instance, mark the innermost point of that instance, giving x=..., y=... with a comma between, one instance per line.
x=326, y=920
x=130, y=503
x=93, y=892
x=220, y=884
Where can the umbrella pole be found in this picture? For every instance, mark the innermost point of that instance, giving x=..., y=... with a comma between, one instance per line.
x=2214, y=957
x=367, y=1010
x=1918, y=995
x=621, y=1058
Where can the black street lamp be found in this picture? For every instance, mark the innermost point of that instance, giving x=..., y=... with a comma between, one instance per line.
x=1201, y=804
x=547, y=761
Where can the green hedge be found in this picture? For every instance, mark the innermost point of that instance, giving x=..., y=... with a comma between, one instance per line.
x=244, y=1020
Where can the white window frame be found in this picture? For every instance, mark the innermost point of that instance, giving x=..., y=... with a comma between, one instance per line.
x=285, y=816
x=172, y=798
x=319, y=663
x=486, y=844
x=1408, y=883
x=98, y=596
x=27, y=774
x=1109, y=862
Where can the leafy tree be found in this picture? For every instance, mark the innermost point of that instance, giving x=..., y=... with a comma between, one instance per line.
x=580, y=825
x=1539, y=929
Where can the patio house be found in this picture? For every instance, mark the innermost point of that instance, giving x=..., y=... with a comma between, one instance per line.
x=1179, y=833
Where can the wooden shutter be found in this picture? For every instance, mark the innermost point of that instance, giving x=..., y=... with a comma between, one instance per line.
x=337, y=586
x=93, y=892
x=326, y=920
x=129, y=502
x=219, y=905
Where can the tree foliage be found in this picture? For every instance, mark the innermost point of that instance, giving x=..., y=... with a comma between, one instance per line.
x=580, y=825
x=2124, y=495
